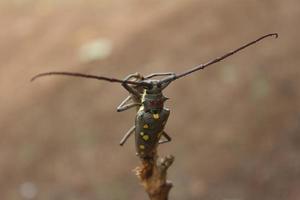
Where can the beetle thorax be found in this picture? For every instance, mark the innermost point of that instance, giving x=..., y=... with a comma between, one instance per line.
x=153, y=99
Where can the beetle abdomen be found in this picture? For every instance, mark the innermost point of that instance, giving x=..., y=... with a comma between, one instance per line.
x=149, y=127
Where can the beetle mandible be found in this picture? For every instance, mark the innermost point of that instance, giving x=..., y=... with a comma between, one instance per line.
x=145, y=94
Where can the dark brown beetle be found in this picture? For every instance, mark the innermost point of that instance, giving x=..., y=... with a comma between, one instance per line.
x=146, y=95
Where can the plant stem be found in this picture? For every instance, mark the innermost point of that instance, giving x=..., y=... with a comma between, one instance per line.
x=153, y=176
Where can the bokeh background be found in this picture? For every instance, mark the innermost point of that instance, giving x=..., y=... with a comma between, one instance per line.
x=235, y=126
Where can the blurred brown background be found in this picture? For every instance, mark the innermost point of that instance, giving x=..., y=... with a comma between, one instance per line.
x=235, y=126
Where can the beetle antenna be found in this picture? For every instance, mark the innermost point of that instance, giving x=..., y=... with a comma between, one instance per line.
x=202, y=66
x=88, y=76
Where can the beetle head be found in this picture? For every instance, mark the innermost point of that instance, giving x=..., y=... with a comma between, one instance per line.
x=153, y=99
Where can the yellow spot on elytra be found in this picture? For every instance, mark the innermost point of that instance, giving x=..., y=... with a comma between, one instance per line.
x=146, y=126
x=142, y=133
x=146, y=137
x=156, y=116
x=142, y=147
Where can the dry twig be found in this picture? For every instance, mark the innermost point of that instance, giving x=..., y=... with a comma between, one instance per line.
x=153, y=176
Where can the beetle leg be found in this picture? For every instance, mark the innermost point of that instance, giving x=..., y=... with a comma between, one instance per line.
x=159, y=74
x=166, y=136
x=131, y=89
x=123, y=106
x=127, y=135
x=127, y=106
x=134, y=93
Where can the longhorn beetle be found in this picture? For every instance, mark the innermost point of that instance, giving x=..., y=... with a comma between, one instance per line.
x=146, y=95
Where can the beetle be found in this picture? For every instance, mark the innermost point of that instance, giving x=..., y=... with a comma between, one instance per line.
x=146, y=95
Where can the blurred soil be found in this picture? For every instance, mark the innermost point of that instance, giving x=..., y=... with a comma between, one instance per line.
x=235, y=126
